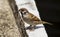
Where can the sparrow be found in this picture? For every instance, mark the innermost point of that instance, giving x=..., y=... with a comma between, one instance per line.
x=30, y=18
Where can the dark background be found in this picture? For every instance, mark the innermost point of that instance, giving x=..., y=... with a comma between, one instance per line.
x=50, y=11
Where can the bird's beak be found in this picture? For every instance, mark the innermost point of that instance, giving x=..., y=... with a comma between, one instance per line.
x=19, y=10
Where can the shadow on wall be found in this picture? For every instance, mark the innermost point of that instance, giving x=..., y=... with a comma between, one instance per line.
x=50, y=11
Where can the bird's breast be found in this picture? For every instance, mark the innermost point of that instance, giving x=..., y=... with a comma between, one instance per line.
x=28, y=21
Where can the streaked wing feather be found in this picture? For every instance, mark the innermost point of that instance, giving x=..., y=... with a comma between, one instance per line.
x=34, y=18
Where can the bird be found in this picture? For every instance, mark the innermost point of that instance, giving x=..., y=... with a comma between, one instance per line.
x=31, y=19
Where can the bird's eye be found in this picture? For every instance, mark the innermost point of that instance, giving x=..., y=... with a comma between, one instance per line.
x=24, y=12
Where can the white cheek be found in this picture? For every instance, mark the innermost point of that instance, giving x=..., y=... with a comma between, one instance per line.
x=26, y=16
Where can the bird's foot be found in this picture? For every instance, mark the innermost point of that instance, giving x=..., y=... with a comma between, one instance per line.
x=31, y=28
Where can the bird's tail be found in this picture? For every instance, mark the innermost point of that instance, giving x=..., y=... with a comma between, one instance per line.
x=43, y=22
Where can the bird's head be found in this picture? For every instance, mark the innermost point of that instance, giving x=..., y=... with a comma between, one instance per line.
x=23, y=11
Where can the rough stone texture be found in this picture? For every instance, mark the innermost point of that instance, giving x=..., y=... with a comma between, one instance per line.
x=8, y=25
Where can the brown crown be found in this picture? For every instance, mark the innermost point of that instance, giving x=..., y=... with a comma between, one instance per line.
x=23, y=9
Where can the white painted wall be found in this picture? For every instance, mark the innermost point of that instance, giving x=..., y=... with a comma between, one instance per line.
x=40, y=32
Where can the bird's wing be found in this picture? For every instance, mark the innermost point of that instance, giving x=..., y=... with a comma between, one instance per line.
x=34, y=18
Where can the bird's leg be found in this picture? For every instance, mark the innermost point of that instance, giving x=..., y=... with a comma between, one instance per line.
x=32, y=27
